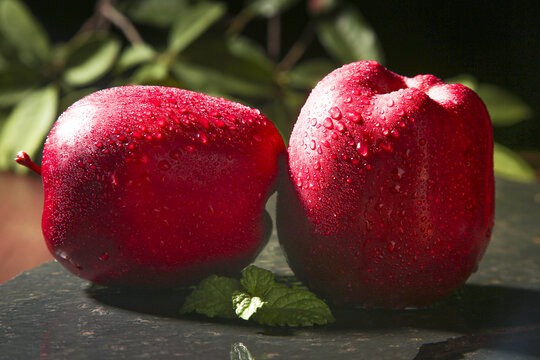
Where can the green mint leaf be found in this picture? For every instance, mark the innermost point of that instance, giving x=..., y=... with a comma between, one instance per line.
x=213, y=297
x=257, y=281
x=258, y=297
x=246, y=305
x=284, y=306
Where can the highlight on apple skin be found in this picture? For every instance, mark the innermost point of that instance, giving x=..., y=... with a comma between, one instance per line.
x=151, y=186
x=388, y=197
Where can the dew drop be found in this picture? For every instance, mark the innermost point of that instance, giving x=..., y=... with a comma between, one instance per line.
x=317, y=165
x=99, y=144
x=257, y=138
x=326, y=143
x=161, y=122
x=340, y=126
x=312, y=144
x=386, y=145
x=164, y=165
x=219, y=123
x=175, y=154
x=335, y=113
x=355, y=117
x=313, y=122
x=215, y=113
x=104, y=257
x=143, y=158
x=202, y=137
x=327, y=123
x=188, y=147
x=362, y=148
x=390, y=103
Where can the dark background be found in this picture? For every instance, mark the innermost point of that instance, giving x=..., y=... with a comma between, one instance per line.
x=496, y=41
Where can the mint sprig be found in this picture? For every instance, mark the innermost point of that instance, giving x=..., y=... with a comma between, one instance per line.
x=257, y=297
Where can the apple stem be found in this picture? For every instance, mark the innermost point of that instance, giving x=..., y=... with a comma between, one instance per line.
x=24, y=160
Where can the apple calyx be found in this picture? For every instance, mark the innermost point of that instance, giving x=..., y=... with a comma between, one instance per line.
x=23, y=159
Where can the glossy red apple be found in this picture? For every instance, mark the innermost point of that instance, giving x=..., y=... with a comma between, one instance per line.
x=389, y=198
x=154, y=186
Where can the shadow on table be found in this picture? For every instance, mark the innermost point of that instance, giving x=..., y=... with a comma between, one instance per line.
x=497, y=317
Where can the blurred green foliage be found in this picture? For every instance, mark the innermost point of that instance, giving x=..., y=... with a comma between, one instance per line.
x=207, y=49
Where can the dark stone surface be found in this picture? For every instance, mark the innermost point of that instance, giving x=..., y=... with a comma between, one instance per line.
x=47, y=313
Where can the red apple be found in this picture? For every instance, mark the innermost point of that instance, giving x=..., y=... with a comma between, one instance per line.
x=389, y=198
x=154, y=186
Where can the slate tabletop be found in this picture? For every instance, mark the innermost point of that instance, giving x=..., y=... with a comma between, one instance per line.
x=47, y=313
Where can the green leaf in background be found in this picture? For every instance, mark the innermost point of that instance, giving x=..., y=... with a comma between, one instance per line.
x=347, y=36
x=267, y=8
x=16, y=82
x=150, y=74
x=213, y=297
x=24, y=33
x=28, y=124
x=504, y=107
x=192, y=22
x=160, y=13
x=308, y=73
x=464, y=79
x=134, y=55
x=251, y=54
x=71, y=97
x=509, y=165
x=89, y=58
x=237, y=68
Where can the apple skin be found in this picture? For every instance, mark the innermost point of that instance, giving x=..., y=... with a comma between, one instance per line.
x=388, y=199
x=150, y=186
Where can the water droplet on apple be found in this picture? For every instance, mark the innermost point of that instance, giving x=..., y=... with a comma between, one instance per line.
x=327, y=123
x=340, y=126
x=355, y=117
x=143, y=158
x=202, y=137
x=312, y=144
x=188, y=147
x=175, y=154
x=104, y=257
x=362, y=148
x=164, y=165
x=219, y=123
x=335, y=113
